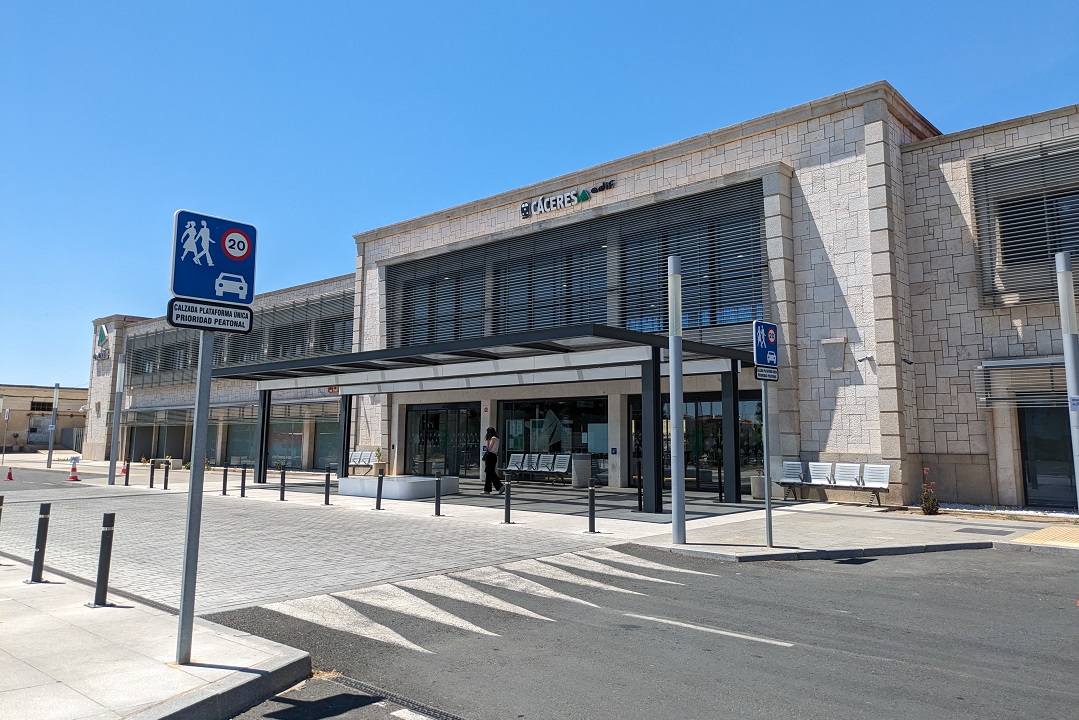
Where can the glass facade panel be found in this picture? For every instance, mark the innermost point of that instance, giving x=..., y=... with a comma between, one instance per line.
x=443, y=439
x=1048, y=471
x=286, y=444
x=568, y=425
x=327, y=444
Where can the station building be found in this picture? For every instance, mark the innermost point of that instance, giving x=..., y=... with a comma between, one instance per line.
x=911, y=275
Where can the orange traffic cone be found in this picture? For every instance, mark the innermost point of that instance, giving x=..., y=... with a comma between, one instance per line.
x=124, y=470
x=74, y=476
x=9, y=475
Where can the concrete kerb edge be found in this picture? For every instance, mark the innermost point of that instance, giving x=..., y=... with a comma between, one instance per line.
x=841, y=554
x=241, y=691
x=1036, y=549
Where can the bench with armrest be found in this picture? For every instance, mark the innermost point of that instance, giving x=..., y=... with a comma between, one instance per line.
x=851, y=476
x=364, y=458
x=791, y=478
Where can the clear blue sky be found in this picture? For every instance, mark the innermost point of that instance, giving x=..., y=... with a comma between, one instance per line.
x=318, y=120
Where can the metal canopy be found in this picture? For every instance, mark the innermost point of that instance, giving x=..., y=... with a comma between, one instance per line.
x=552, y=341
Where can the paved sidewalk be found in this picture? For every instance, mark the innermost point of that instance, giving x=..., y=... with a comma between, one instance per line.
x=60, y=659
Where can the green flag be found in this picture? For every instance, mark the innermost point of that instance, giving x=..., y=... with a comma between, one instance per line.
x=102, y=336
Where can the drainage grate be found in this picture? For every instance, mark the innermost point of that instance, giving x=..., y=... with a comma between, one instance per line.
x=981, y=531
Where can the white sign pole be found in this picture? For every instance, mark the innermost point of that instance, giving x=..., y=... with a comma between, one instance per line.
x=117, y=404
x=767, y=474
x=1066, y=291
x=52, y=422
x=194, y=496
x=674, y=344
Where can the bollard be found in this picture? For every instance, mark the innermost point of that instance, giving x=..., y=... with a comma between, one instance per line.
x=165, y=484
x=1, y=506
x=225, y=480
x=506, y=520
x=152, y=466
x=127, y=473
x=282, y=482
x=104, y=561
x=438, y=494
x=42, y=537
x=327, y=485
x=243, y=481
x=640, y=488
x=591, y=506
x=378, y=491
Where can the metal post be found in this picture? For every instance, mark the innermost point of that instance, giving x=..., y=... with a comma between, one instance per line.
x=1066, y=291
x=39, y=545
x=767, y=474
x=7, y=414
x=225, y=480
x=506, y=519
x=1, y=506
x=52, y=422
x=678, y=452
x=378, y=491
x=127, y=473
x=194, y=497
x=114, y=450
x=165, y=484
x=640, y=488
x=243, y=481
x=282, y=482
x=591, y=506
x=327, y=484
x=104, y=561
x=152, y=466
x=438, y=494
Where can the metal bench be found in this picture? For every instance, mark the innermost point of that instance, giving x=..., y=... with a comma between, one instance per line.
x=791, y=478
x=365, y=459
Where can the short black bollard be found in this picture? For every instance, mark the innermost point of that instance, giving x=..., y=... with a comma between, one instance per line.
x=282, y=482
x=152, y=466
x=42, y=537
x=378, y=491
x=225, y=480
x=1, y=506
x=591, y=507
x=243, y=481
x=165, y=484
x=327, y=502
x=506, y=519
x=640, y=488
x=104, y=562
x=127, y=473
x=438, y=494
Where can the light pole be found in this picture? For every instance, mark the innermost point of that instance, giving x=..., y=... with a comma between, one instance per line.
x=52, y=422
x=1066, y=291
x=116, y=407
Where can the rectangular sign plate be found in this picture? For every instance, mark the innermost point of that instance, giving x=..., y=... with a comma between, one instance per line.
x=767, y=373
x=204, y=315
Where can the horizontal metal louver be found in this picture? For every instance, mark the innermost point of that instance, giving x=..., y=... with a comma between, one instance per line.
x=321, y=325
x=324, y=411
x=609, y=270
x=1022, y=382
x=1027, y=209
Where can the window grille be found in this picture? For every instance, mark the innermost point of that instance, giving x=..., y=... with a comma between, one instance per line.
x=610, y=270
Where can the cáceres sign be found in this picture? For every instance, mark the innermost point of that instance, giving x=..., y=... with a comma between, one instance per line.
x=568, y=199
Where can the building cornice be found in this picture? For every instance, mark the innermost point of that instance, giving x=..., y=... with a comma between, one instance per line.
x=900, y=109
x=995, y=127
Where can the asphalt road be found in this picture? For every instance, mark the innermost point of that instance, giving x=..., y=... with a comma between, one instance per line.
x=972, y=634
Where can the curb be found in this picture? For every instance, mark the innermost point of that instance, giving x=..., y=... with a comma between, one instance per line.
x=840, y=554
x=1036, y=549
x=234, y=695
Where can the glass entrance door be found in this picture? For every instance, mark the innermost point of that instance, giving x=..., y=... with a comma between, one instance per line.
x=443, y=439
x=1045, y=442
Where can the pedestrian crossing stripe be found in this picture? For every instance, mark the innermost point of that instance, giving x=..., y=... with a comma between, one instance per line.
x=447, y=587
x=335, y=614
x=400, y=600
x=574, y=561
x=535, y=567
x=499, y=578
x=604, y=553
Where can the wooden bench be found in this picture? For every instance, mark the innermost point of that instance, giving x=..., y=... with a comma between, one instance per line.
x=365, y=459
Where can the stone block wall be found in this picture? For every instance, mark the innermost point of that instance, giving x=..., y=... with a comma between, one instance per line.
x=969, y=449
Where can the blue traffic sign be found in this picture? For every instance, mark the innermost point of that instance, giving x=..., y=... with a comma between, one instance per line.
x=212, y=259
x=765, y=344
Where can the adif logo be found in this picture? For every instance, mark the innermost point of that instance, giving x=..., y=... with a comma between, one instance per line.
x=547, y=203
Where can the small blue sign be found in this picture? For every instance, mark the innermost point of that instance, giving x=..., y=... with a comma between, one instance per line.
x=212, y=259
x=765, y=344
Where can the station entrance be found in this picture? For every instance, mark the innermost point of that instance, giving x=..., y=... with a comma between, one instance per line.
x=443, y=440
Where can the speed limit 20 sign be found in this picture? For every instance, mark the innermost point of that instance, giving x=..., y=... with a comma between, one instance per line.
x=213, y=259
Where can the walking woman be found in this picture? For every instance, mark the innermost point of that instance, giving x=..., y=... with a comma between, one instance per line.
x=490, y=458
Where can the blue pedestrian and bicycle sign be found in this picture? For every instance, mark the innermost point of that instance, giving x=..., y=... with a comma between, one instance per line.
x=213, y=273
x=766, y=350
